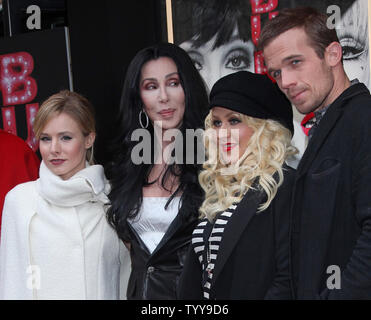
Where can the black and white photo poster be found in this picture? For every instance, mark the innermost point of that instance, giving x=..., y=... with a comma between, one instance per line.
x=221, y=38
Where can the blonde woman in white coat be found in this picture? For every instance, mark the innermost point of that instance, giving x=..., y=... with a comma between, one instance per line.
x=55, y=240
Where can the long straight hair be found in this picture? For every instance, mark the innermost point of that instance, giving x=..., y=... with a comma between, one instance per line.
x=128, y=179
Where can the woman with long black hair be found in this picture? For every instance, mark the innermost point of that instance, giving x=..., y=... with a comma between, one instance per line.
x=154, y=202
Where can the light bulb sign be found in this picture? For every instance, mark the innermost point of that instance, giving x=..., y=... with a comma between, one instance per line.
x=33, y=66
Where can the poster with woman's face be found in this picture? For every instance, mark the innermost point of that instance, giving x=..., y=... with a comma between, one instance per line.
x=220, y=36
x=353, y=36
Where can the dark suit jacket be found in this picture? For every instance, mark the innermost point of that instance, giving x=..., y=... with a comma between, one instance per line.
x=332, y=203
x=252, y=260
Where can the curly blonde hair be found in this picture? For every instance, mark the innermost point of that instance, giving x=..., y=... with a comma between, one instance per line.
x=268, y=148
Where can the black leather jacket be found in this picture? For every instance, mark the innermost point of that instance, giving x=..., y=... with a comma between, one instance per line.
x=156, y=276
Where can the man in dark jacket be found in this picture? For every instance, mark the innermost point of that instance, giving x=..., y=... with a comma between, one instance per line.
x=331, y=206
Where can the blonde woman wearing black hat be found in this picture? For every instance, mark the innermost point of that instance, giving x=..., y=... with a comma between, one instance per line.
x=240, y=249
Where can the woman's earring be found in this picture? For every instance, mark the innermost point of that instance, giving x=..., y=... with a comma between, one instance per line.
x=140, y=119
x=90, y=155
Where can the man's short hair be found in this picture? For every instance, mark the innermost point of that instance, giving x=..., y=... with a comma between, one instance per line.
x=309, y=19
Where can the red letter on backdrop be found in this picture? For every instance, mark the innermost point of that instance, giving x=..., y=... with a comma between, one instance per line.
x=259, y=7
x=31, y=110
x=16, y=85
x=9, y=123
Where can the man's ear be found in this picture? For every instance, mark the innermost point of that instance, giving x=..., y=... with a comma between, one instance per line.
x=89, y=141
x=333, y=54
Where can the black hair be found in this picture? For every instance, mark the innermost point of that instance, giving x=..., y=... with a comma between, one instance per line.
x=128, y=179
x=199, y=21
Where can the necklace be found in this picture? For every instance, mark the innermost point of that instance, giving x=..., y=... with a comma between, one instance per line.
x=210, y=266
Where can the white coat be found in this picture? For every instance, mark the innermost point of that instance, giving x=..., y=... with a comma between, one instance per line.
x=56, y=242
